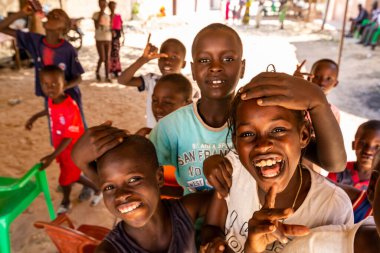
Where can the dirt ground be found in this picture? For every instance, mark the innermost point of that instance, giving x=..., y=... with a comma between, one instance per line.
x=358, y=96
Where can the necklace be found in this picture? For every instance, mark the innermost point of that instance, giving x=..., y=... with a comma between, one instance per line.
x=299, y=187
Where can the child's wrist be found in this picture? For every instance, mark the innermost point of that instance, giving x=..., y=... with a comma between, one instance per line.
x=142, y=60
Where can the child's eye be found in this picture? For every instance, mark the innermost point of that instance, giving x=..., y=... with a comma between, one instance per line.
x=134, y=180
x=108, y=188
x=246, y=134
x=203, y=60
x=278, y=130
x=228, y=59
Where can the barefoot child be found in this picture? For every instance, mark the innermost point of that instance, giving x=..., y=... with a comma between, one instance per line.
x=186, y=137
x=51, y=49
x=171, y=59
x=365, y=144
x=66, y=128
x=269, y=141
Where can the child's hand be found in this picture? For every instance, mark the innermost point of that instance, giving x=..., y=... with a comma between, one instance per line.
x=298, y=72
x=27, y=9
x=46, y=161
x=218, y=171
x=218, y=245
x=145, y=131
x=271, y=88
x=264, y=227
x=151, y=52
x=95, y=142
x=29, y=124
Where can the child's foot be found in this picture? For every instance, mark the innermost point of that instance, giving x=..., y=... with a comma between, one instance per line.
x=96, y=199
x=85, y=194
x=98, y=77
x=63, y=209
x=108, y=80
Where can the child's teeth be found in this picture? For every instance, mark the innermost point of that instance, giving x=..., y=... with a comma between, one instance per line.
x=217, y=82
x=268, y=162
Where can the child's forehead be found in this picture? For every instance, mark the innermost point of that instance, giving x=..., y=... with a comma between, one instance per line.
x=211, y=37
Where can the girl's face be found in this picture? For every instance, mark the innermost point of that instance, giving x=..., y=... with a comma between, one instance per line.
x=269, y=140
x=217, y=63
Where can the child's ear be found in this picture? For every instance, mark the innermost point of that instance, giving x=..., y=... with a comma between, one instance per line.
x=184, y=64
x=188, y=101
x=242, y=70
x=305, y=135
x=160, y=176
x=353, y=145
x=336, y=84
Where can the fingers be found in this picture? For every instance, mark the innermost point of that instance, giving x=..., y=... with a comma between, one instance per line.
x=271, y=215
x=270, y=197
x=163, y=55
x=301, y=65
x=295, y=230
x=148, y=39
x=220, y=188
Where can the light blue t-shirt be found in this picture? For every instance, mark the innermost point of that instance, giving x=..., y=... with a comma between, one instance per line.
x=184, y=140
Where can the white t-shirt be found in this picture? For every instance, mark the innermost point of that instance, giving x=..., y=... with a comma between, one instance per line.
x=327, y=239
x=325, y=204
x=103, y=33
x=150, y=81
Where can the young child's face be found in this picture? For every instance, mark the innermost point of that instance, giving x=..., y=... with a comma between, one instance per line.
x=102, y=4
x=55, y=21
x=366, y=145
x=217, y=63
x=269, y=140
x=175, y=61
x=52, y=84
x=112, y=6
x=166, y=99
x=325, y=76
x=374, y=178
x=131, y=187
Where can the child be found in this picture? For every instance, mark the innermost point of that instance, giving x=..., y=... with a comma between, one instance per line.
x=103, y=37
x=192, y=133
x=66, y=128
x=117, y=32
x=51, y=49
x=360, y=238
x=171, y=59
x=324, y=73
x=171, y=92
x=366, y=143
x=130, y=178
x=269, y=141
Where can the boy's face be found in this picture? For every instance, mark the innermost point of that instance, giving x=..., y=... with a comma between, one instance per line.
x=112, y=6
x=366, y=145
x=131, y=188
x=175, y=61
x=325, y=76
x=55, y=21
x=102, y=4
x=217, y=63
x=374, y=178
x=165, y=99
x=269, y=141
x=52, y=84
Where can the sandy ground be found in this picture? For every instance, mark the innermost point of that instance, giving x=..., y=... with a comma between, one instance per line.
x=358, y=96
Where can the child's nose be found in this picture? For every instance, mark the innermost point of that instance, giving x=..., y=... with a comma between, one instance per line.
x=263, y=144
x=215, y=67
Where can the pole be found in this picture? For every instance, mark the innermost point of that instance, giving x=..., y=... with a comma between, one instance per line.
x=342, y=33
x=325, y=15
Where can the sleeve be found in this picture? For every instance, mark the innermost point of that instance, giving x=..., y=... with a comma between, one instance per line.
x=26, y=40
x=74, y=123
x=339, y=209
x=95, y=16
x=165, y=142
x=76, y=68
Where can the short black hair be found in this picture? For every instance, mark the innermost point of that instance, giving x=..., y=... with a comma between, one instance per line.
x=52, y=69
x=370, y=125
x=325, y=60
x=66, y=17
x=142, y=149
x=182, y=84
x=216, y=27
x=175, y=41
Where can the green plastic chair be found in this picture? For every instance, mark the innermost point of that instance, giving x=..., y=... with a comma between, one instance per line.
x=16, y=194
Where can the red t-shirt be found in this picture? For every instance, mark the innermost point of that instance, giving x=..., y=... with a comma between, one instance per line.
x=349, y=176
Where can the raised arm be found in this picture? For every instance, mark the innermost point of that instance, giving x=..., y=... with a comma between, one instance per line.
x=298, y=94
x=4, y=25
x=127, y=76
